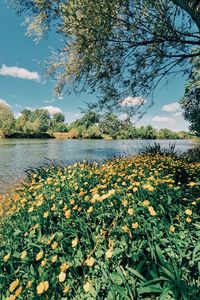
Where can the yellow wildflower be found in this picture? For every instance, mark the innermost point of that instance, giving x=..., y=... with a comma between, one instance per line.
x=64, y=267
x=54, y=245
x=135, y=225
x=87, y=287
x=109, y=253
x=6, y=257
x=67, y=214
x=90, y=210
x=54, y=259
x=42, y=287
x=74, y=242
x=90, y=261
x=145, y=203
x=188, y=212
x=66, y=289
x=31, y=209
x=29, y=284
x=188, y=220
x=172, y=228
x=62, y=277
x=39, y=255
x=23, y=254
x=45, y=215
x=18, y=291
x=13, y=285
x=130, y=211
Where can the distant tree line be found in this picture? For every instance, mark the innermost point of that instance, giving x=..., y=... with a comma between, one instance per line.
x=40, y=123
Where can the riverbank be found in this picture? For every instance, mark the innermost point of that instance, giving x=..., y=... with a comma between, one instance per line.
x=123, y=228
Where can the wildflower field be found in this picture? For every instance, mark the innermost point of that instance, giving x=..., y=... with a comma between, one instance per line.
x=126, y=228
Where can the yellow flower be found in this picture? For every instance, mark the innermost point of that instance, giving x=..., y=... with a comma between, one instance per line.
x=130, y=211
x=135, y=225
x=90, y=261
x=23, y=254
x=171, y=228
x=72, y=201
x=90, y=210
x=67, y=214
x=13, y=285
x=39, y=255
x=152, y=211
x=109, y=253
x=191, y=184
x=188, y=212
x=42, y=287
x=64, y=267
x=45, y=215
x=54, y=245
x=66, y=289
x=11, y=297
x=145, y=203
x=31, y=209
x=18, y=291
x=62, y=277
x=87, y=287
x=188, y=220
x=54, y=259
x=125, y=228
x=6, y=257
x=135, y=189
x=29, y=284
x=39, y=203
x=74, y=242
x=43, y=262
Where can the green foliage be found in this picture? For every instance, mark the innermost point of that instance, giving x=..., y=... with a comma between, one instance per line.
x=123, y=229
x=119, y=48
x=191, y=100
x=7, y=120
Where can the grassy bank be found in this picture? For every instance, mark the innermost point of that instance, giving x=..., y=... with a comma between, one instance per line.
x=123, y=229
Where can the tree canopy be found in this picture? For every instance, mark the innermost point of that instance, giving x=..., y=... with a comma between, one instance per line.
x=119, y=48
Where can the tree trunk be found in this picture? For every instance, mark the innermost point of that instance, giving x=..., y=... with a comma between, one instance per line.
x=192, y=7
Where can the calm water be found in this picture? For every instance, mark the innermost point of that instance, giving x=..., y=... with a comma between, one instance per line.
x=17, y=155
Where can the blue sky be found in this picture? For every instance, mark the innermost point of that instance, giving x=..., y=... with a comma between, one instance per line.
x=20, y=84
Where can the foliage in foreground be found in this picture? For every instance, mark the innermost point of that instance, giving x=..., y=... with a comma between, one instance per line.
x=122, y=229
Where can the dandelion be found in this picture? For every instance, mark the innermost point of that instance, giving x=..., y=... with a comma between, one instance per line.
x=152, y=211
x=74, y=242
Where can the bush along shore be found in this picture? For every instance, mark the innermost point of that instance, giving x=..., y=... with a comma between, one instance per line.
x=126, y=228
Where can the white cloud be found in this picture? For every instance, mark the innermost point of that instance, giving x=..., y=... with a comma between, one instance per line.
x=132, y=101
x=72, y=116
x=159, y=119
x=52, y=109
x=172, y=107
x=178, y=114
x=4, y=102
x=19, y=73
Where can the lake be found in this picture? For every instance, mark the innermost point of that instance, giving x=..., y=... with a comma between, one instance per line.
x=17, y=155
